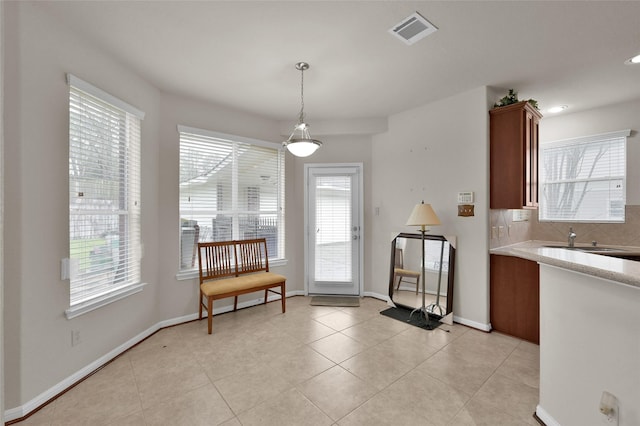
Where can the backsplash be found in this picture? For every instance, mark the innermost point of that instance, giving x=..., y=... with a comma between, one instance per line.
x=624, y=234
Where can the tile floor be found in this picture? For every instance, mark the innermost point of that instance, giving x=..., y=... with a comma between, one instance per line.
x=311, y=366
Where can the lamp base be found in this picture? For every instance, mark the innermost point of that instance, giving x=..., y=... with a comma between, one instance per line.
x=422, y=312
x=432, y=308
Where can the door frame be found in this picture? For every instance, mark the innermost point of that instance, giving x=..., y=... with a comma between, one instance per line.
x=360, y=183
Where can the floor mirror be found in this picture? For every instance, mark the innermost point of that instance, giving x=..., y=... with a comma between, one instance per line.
x=405, y=277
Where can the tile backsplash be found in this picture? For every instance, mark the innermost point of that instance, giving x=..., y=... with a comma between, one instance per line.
x=624, y=234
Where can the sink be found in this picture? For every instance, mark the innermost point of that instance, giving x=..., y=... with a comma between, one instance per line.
x=586, y=248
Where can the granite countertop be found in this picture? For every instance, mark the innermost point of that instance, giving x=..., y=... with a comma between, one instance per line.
x=586, y=262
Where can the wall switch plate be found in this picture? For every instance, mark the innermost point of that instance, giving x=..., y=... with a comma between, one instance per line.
x=500, y=231
x=494, y=232
x=465, y=210
x=465, y=197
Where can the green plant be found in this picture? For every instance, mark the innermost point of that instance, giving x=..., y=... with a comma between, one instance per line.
x=512, y=98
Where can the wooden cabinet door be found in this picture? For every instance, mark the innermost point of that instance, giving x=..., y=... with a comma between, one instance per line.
x=515, y=297
x=513, y=156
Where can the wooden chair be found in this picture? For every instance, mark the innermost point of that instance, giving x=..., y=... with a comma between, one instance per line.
x=401, y=273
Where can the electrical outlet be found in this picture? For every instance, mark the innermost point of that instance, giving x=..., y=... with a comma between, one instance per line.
x=75, y=337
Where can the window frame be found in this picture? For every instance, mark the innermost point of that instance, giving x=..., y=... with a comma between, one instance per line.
x=585, y=140
x=192, y=272
x=128, y=181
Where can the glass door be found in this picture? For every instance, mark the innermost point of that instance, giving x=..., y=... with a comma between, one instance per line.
x=333, y=216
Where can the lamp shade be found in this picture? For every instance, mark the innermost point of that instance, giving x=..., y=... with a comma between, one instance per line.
x=423, y=215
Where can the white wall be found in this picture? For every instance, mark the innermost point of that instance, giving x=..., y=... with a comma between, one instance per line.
x=589, y=343
x=179, y=297
x=38, y=352
x=335, y=149
x=431, y=153
x=602, y=120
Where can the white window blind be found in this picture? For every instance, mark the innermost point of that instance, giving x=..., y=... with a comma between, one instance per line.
x=104, y=196
x=334, y=242
x=583, y=179
x=231, y=188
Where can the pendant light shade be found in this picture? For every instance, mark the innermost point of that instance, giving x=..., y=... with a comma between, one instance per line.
x=300, y=143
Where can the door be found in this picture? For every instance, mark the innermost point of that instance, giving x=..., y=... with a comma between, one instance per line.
x=333, y=219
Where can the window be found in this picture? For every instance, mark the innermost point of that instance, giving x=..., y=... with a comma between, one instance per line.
x=583, y=179
x=104, y=197
x=230, y=188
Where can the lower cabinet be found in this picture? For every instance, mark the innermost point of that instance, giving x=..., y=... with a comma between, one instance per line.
x=515, y=297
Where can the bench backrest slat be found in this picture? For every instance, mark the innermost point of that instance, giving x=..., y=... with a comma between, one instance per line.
x=231, y=258
x=217, y=260
x=252, y=255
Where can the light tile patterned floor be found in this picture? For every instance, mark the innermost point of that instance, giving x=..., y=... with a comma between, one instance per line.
x=313, y=365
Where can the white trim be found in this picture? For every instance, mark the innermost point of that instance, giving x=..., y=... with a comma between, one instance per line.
x=89, y=88
x=472, y=324
x=546, y=417
x=228, y=138
x=98, y=302
x=588, y=139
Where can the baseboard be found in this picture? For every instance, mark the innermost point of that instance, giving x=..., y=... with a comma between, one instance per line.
x=379, y=296
x=472, y=324
x=546, y=417
x=51, y=393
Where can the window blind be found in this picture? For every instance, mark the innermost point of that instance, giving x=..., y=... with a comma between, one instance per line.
x=583, y=179
x=231, y=188
x=104, y=194
x=334, y=221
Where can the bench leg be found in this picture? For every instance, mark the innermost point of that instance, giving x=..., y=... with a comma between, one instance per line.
x=266, y=291
x=235, y=303
x=210, y=314
x=283, y=298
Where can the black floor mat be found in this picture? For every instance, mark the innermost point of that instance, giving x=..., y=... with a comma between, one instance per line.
x=417, y=319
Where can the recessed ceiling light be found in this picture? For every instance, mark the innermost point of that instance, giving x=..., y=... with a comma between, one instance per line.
x=557, y=109
x=633, y=61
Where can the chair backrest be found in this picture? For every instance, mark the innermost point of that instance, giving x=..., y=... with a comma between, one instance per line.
x=399, y=261
x=217, y=260
x=252, y=255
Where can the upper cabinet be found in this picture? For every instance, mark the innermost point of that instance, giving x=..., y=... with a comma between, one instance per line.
x=514, y=156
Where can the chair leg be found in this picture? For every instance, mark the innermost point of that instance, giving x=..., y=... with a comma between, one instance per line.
x=282, y=296
x=235, y=303
x=417, y=284
x=200, y=305
x=210, y=314
x=265, y=295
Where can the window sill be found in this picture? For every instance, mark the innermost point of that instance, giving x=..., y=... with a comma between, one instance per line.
x=190, y=274
x=98, y=302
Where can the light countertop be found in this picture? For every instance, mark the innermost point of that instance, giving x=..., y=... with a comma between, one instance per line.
x=606, y=267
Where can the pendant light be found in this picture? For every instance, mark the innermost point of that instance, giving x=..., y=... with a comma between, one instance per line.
x=300, y=143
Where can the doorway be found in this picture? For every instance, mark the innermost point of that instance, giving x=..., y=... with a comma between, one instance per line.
x=333, y=220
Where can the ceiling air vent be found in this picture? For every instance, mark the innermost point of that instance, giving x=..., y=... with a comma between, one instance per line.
x=413, y=28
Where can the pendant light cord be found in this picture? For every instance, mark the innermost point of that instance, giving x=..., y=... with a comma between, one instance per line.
x=301, y=117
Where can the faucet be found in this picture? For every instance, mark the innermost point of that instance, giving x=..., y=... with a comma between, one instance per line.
x=572, y=237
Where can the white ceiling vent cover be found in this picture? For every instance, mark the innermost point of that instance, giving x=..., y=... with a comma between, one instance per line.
x=413, y=28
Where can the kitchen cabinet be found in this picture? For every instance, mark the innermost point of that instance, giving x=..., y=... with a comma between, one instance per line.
x=515, y=297
x=513, y=167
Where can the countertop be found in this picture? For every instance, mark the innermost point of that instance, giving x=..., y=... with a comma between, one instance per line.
x=591, y=263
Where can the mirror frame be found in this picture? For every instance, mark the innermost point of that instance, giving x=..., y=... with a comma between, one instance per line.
x=450, y=273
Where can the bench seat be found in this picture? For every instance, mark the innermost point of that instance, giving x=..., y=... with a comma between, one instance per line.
x=227, y=287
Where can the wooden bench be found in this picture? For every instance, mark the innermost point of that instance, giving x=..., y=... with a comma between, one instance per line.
x=232, y=268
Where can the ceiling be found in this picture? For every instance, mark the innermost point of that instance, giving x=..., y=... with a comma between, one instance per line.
x=241, y=54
